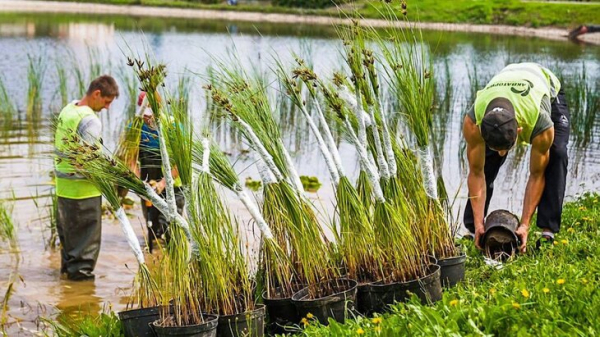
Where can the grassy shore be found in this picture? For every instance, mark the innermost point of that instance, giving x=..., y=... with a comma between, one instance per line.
x=552, y=292
x=501, y=12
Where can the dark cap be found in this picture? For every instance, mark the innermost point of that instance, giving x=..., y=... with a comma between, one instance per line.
x=499, y=126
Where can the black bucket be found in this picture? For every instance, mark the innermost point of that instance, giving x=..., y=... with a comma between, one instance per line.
x=377, y=297
x=136, y=322
x=282, y=312
x=334, y=306
x=206, y=329
x=500, y=240
x=250, y=323
x=452, y=269
x=427, y=288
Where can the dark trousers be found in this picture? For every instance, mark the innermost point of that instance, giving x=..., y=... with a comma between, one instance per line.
x=549, y=210
x=79, y=227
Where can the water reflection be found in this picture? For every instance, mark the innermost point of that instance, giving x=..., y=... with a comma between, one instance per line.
x=77, y=298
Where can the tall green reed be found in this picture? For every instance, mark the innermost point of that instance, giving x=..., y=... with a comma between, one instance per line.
x=8, y=109
x=8, y=231
x=583, y=99
x=36, y=71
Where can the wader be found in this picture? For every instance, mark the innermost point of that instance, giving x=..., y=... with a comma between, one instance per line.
x=79, y=227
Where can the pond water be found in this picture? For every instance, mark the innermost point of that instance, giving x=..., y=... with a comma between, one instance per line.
x=98, y=44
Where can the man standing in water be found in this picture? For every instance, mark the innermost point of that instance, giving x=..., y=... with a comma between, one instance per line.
x=524, y=102
x=79, y=222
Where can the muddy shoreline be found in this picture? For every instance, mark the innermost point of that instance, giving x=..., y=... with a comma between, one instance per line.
x=26, y=6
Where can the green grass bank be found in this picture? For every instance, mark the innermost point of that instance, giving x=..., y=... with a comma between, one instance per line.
x=552, y=292
x=501, y=12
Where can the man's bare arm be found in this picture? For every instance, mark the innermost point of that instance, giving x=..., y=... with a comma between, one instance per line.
x=540, y=156
x=476, y=178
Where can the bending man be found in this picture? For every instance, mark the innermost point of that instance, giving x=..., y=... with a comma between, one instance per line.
x=524, y=102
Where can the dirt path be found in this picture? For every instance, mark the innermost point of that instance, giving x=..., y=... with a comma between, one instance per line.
x=90, y=8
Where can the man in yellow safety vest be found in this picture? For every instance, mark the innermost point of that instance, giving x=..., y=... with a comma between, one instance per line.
x=523, y=102
x=79, y=222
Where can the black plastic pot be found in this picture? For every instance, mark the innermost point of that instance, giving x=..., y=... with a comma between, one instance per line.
x=376, y=297
x=250, y=323
x=334, y=306
x=452, y=269
x=282, y=312
x=136, y=322
x=427, y=288
x=206, y=329
x=500, y=240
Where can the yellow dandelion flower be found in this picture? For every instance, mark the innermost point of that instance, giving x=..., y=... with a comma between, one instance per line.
x=546, y=290
x=304, y=321
x=564, y=242
x=571, y=230
x=377, y=320
x=555, y=243
x=309, y=315
x=525, y=293
x=453, y=303
x=582, y=208
x=492, y=291
x=584, y=281
x=360, y=331
x=561, y=281
x=595, y=201
x=577, y=223
x=516, y=305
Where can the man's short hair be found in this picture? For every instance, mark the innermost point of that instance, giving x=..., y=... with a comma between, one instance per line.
x=106, y=84
x=499, y=125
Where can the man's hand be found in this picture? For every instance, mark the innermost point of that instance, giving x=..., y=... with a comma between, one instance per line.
x=160, y=186
x=522, y=233
x=479, y=231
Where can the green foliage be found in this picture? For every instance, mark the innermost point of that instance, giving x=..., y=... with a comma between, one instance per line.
x=305, y=3
x=583, y=99
x=7, y=226
x=254, y=185
x=103, y=325
x=545, y=293
x=311, y=184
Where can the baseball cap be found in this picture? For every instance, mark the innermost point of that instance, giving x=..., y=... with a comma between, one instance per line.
x=499, y=126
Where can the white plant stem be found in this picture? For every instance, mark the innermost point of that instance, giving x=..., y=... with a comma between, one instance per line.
x=266, y=175
x=206, y=155
x=387, y=143
x=428, y=172
x=361, y=117
x=260, y=148
x=333, y=171
x=367, y=165
x=255, y=213
x=383, y=166
x=166, y=162
x=172, y=216
x=335, y=154
x=295, y=178
x=130, y=235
